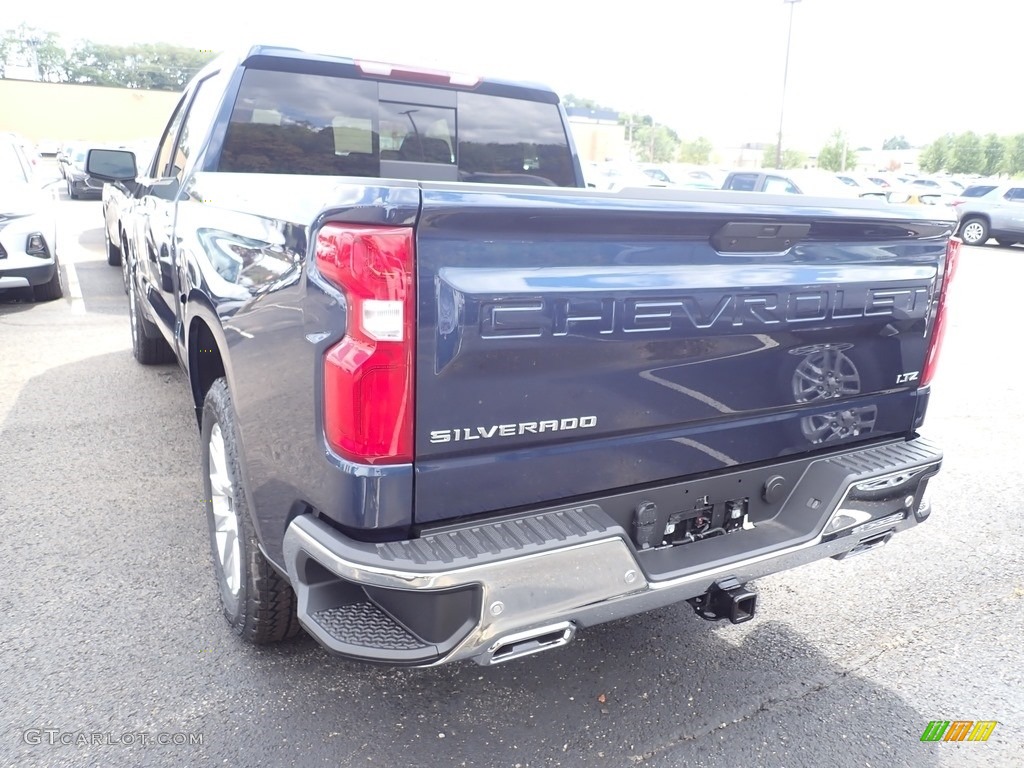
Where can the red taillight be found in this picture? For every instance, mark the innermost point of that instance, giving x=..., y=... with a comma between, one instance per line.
x=368, y=391
x=939, y=331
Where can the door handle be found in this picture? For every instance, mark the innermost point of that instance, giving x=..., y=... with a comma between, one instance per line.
x=765, y=237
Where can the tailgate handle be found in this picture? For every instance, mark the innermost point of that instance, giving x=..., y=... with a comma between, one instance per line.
x=758, y=237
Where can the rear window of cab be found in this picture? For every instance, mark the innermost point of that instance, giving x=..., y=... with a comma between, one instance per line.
x=298, y=123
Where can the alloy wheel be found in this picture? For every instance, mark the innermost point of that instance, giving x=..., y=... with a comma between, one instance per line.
x=225, y=519
x=973, y=232
x=133, y=313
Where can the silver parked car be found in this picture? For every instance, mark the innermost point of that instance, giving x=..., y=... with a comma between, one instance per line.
x=991, y=210
x=799, y=182
x=942, y=186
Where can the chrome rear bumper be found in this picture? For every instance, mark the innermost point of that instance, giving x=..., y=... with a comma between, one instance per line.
x=509, y=588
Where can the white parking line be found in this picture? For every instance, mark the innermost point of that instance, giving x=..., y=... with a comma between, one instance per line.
x=75, y=289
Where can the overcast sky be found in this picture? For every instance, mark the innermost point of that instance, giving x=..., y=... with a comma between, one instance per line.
x=874, y=67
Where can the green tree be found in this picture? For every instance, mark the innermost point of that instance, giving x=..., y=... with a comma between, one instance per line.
x=153, y=66
x=836, y=155
x=935, y=156
x=655, y=144
x=697, y=151
x=994, y=149
x=792, y=158
x=94, y=64
x=966, y=155
x=572, y=100
x=896, y=142
x=650, y=142
x=1013, y=155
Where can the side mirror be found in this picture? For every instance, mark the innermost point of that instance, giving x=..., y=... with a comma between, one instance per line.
x=111, y=164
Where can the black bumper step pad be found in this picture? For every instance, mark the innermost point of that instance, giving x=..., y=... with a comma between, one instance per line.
x=365, y=625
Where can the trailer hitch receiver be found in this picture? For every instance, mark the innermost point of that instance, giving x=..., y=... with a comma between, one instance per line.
x=726, y=599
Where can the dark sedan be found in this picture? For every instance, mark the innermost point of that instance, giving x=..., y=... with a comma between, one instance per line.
x=79, y=183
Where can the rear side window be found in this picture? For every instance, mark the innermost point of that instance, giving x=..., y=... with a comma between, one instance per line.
x=513, y=141
x=163, y=155
x=743, y=182
x=286, y=122
x=779, y=186
x=978, y=190
x=200, y=114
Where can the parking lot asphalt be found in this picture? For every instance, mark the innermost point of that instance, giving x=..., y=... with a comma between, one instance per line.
x=111, y=633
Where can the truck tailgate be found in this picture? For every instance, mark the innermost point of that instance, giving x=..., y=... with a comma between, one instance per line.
x=571, y=343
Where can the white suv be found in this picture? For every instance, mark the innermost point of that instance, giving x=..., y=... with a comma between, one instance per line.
x=28, y=255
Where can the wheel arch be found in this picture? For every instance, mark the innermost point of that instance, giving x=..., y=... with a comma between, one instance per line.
x=205, y=351
x=969, y=216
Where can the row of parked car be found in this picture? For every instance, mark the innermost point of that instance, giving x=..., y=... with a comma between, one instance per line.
x=883, y=186
x=986, y=209
x=29, y=259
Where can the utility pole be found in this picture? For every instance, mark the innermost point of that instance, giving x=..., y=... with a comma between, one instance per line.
x=785, y=77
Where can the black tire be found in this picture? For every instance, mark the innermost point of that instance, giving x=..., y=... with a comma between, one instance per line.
x=113, y=251
x=260, y=606
x=52, y=289
x=71, y=192
x=974, y=231
x=148, y=346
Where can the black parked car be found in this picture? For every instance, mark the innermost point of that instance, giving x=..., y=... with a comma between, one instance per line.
x=79, y=183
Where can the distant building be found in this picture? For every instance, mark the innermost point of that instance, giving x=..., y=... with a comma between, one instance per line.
x=598, y=135
x=21, y=64
x=874, y=160
x=752, y=154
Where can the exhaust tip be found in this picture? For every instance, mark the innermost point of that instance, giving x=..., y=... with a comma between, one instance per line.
x=529, y=642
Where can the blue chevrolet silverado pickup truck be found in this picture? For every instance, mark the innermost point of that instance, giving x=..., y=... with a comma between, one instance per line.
x=454, y=405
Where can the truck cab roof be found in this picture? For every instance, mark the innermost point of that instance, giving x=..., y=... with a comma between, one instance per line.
x=297, y=60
